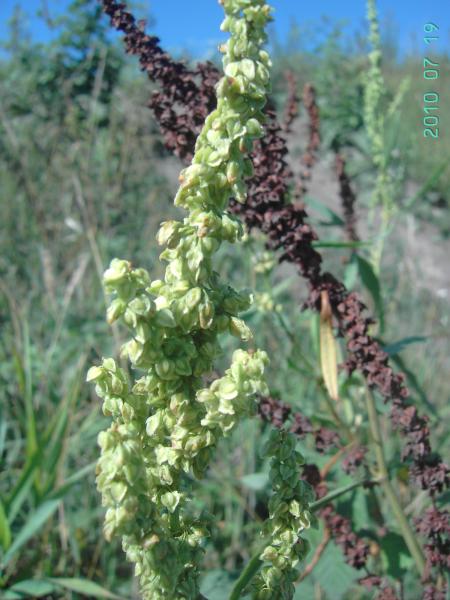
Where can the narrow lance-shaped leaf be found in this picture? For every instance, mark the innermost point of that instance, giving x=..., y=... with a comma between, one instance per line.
x=29, y=588
x=84, y=586
x=5, y=531
x=328, y=352
x=372, y=284
x=31, y=528
x=19, y=494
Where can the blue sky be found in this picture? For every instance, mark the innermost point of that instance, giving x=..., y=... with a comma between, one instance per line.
x=193, y=24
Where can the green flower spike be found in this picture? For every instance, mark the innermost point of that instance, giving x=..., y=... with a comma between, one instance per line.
x=289, y=515
x=166, y=422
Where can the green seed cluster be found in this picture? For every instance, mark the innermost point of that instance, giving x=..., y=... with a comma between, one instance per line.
x=289, y=515
x=374, y=111
x=375, y=121
x=374, y=90
x=165, y=420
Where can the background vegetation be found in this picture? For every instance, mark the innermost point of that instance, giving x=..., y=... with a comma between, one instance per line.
x=84, y=178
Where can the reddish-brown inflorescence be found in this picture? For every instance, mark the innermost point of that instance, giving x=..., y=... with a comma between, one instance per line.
x=279, y=413
x=179, y=86
x=348, y=198
x=292, y=102
x=309, y=157
x=354, y=459
x=431, y=592
x=434, y=524
x=386, y=593
x=185, y=98
x=355, y=550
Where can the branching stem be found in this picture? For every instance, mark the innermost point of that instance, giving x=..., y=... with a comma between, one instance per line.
x=386, y=485
x=247, y=575
x=255, y=563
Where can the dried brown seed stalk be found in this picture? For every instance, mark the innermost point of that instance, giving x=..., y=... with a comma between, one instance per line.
x=292, y=101
x=348, y=198
x=309, y=157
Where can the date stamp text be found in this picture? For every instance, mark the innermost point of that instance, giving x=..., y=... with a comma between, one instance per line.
x=430, y=73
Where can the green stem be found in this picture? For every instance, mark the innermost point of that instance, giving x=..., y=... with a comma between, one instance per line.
x=337, y=493
x=247, y=575
x=337, y=418
x=386, y=485
x=288, y=331
x=255, y=563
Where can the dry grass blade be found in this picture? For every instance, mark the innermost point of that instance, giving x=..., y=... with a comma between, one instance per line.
x=328, y=350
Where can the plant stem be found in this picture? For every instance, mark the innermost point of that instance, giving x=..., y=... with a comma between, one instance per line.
x=386, y=485
x=337, y=418
x=318, y=380
x=336, y=457
x=314, y=506
x=255, y=563
x=247, y=575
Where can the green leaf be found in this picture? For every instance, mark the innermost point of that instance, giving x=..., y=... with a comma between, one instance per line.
x=350, y=275
x=414, y=383
x=333, y=573
x=395, y=555
x=335, y=494
x=411, y=583
x=305, y=590
x=314, y=331
x=429, y=183
x=255, y=481
x=54, y=436
x=372, y=284
x=29, y=588
x=358, y=504
x=25, y=380
x=57, y=431
x=339, y=244
x=397, y=347
x=20, y=492
x=70, y=481
x=322, y=209
x=217, y=585
x=84, y=587
x=3, y=430
x=306, y=372
x=5, y=531
x=31, y=527
x=281, y=287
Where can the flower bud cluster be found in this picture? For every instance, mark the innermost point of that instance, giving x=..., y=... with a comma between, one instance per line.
x=289, y=516
x=165, y=421
x=265, y=303
x=264, y=263
x=348, y=198
x=374, y=88
x=309, y=157
x=374, y=118
x=291, y=106
x=178, y=83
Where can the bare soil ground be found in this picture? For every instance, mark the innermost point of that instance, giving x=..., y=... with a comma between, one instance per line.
x=425, y=255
